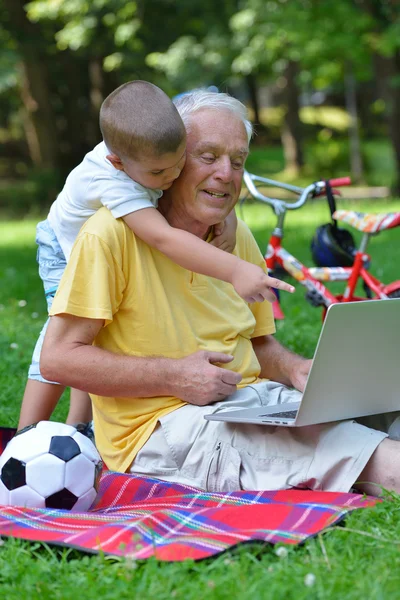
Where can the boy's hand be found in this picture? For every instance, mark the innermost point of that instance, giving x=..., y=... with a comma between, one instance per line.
x=254, y=285
x=225, y=233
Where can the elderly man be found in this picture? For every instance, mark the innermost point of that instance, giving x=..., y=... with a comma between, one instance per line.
x=158, y=347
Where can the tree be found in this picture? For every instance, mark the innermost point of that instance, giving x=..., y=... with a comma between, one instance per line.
x=383, y=40
x=74, y=52
x=40, y=128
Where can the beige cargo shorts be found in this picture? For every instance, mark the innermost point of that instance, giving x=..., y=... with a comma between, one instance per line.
x=222, y=457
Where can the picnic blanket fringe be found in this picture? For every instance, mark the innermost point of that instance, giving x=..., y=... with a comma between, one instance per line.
x=139, y=517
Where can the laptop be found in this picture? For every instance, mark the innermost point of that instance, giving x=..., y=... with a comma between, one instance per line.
x=355, y=371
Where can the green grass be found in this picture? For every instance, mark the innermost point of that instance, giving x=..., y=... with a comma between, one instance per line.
x=360, y=560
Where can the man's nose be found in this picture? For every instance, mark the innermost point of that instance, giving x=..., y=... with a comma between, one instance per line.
x=224, y=169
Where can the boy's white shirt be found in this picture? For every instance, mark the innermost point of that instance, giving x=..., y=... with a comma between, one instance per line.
x=92, y=184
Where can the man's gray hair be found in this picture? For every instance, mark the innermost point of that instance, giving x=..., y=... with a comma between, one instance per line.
x=195, y=100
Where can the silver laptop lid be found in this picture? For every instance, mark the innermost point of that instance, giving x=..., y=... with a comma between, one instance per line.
x=356, y=367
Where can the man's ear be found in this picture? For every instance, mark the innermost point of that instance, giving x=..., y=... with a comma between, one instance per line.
x=115, y=161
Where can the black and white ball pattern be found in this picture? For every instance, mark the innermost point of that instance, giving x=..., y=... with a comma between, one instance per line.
x=50, y=465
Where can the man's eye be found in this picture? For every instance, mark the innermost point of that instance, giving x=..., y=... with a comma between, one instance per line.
x=156, y=172
x=208, y=158
x=237, y=165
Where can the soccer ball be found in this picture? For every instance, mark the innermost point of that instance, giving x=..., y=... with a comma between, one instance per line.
x=49, y=465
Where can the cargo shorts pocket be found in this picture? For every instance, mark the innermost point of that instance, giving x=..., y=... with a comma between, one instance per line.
x=155, y=457
x=223, y=473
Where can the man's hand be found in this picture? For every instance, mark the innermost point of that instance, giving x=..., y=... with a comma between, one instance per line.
x=280, y=364
x=200, y=381
x=299, y=373
x=254, y=285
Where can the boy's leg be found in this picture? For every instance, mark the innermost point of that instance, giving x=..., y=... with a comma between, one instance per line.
x=39, y=401
x=80, y=408
x=41, y=396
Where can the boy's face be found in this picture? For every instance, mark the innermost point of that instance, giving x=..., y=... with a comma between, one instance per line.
x=154, y=172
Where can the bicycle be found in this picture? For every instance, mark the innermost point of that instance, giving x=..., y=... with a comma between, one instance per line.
x=313, y=278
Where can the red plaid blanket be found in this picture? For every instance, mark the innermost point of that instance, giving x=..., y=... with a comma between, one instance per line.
x=140, y=517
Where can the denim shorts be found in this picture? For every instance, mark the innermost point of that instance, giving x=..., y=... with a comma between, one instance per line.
x=52, y=263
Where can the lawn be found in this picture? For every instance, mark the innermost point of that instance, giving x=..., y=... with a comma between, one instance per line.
x=359, y=560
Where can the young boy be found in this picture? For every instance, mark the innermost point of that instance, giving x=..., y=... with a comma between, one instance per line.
x=142, y=153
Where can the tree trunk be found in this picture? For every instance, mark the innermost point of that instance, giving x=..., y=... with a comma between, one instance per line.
x=388, y=72
x=40, y=125
x=97, y=85
x=356, y=165
x=292, y=128
x=77, y=126
x=253, y=95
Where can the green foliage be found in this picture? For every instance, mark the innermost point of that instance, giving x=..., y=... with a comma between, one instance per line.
x=84, y=49
x=32, y=195
x=331, y=117
x=327, y=157
x=331, y=157
x=82, y=20
x=320, y=36
x=174, y=62
x=8, y=73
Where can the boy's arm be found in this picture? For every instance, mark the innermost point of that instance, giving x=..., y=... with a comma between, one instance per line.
x=190, y=252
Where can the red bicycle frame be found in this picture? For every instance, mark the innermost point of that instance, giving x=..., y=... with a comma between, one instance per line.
x=312, y=278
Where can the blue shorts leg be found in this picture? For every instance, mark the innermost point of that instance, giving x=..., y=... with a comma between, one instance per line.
x=52, y=263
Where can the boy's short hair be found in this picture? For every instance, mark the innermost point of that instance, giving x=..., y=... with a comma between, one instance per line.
x=139, y=119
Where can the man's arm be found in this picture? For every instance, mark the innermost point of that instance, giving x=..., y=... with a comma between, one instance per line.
x=69, y=357
x=280, y=364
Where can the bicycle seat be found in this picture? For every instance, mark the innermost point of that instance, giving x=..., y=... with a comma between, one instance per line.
x=368, y=222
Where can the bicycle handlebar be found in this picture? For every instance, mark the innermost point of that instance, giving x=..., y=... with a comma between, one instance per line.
x=280, y=206
x=340, y=181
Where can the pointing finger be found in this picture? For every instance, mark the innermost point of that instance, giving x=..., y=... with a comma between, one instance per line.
x=281, y=285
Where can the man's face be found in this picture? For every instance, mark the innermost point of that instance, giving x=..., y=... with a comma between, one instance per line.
x=209, y=185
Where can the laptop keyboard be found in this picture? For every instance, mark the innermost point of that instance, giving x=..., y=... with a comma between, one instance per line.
x=288, y=414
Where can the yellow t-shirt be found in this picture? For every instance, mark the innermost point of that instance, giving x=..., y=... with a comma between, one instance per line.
x=153, y=307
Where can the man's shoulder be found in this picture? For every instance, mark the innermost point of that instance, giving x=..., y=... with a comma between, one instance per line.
x=244, y=235
x=103, y=225
x=246, y=245
x=243, y=229
x=104, y=236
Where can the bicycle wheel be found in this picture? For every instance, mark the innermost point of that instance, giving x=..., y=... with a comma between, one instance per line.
x=395, y=294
